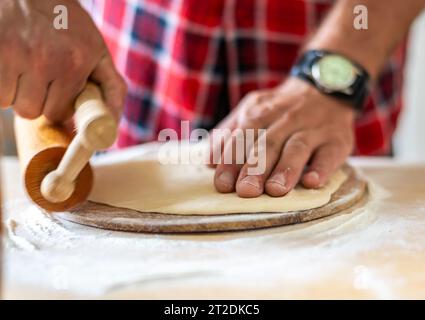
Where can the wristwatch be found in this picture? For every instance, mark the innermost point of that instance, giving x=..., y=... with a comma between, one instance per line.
x=334, y=75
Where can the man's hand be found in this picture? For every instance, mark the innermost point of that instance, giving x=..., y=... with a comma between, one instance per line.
x=303, y=127
x=42, y=69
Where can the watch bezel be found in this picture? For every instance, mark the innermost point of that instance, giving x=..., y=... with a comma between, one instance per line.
x=316, y=74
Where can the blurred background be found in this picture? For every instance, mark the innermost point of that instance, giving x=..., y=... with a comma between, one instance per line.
x=409, y=141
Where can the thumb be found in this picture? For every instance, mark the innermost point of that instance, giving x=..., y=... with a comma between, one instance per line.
x=112, y=84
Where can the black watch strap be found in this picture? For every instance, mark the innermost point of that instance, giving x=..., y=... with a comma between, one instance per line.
x=359, y=89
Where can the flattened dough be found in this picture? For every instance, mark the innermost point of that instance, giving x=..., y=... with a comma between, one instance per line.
x=142, y=183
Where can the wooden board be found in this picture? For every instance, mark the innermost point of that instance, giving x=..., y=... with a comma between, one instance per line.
x=352, y=193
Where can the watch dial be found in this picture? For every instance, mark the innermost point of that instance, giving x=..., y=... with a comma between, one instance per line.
x=334, y=72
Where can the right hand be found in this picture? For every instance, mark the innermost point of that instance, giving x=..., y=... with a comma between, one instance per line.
x=42, y=69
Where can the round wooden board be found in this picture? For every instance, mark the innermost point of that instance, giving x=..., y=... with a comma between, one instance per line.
x=352, y=193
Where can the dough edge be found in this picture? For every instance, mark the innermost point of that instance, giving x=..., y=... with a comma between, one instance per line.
x=190, y=190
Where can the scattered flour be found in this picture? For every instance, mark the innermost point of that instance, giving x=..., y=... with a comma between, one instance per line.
x=53, y=254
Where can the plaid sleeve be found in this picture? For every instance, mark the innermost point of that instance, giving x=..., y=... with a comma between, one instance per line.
x=194, y=60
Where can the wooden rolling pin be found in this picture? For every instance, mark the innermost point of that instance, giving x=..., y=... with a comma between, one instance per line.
x=55, y=161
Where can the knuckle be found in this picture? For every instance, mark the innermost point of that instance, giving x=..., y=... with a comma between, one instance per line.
x=36, y=46
x=14, y=45
x=343, y=145
x=292, y=116
x=52, y=115
x=258, y=115
x=330, y=156
x=19, y=52
x=273, y=146
x=41, y=61
x=253, y=96
x=75, y=61
x=76, y=56
x=336, y=143
x=263, y=95
x=299, y=141
x=327, y=155
x=25, y=111
x=75, y=87
x=40, y=64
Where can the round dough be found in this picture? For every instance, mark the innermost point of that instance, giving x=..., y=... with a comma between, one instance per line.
x=141, y=182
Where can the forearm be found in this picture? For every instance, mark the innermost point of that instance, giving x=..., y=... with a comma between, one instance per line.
x=388, y=23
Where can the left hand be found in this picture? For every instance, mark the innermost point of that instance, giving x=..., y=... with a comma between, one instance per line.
x=303, y=127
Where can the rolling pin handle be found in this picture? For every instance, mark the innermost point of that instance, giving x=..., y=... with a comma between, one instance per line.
x=55, y=188
x=94, y=121
x=96, y=130
x=59, y=185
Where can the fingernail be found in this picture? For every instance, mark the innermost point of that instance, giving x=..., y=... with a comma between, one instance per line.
x=252, y=181
x=313, y=175
x=226, y=178
x=279, y=181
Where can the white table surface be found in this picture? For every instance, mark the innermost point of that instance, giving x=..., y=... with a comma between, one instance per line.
x=378, y=252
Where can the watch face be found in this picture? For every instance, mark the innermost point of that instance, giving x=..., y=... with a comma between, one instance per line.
x=334, y=72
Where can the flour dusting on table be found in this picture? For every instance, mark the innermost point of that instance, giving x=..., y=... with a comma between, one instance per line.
x=54, y=254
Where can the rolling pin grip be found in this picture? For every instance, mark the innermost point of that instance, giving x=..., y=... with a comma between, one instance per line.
x=74, y=161
x=95, y=123
x=96, y=130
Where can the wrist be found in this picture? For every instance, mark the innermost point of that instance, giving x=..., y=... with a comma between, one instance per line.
x=298, y=87
x=334, y=75
x=361, y=57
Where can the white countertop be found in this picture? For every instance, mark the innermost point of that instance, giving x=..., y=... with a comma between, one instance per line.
x=375, y=252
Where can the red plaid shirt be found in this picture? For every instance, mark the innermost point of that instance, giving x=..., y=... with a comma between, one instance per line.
x=195, y=59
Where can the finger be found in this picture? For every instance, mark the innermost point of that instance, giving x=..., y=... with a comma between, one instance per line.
x=223, y=134
x=8, y=87
x=258, y=110
x=295, y=155
x=263, y=157
x=230, y=164
x=112, y=84
x=30, y=96
x=61, y=95
x=235, y=151
x=251, y=184
x=248, y=130
x=218, y=137
x=258, y=115
x=326, y=160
